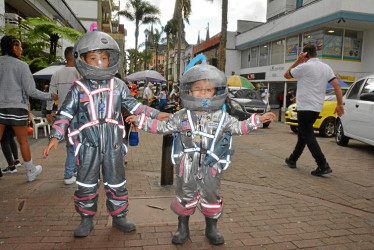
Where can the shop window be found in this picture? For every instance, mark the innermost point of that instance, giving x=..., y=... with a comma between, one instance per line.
x=332, y=43
x=352, y=45
x=264, y=55
x=315, y=38
x=292, y=48
x=254, y=57
x=245, y=58
x=277, y=52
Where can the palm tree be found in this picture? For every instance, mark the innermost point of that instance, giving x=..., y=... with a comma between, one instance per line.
x=222, y=50
x=171, y=29
x=157, y=39
x=184, y=11
x=141, y=12
x=42, y=26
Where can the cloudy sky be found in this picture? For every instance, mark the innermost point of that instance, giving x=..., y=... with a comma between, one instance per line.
x=203, y=12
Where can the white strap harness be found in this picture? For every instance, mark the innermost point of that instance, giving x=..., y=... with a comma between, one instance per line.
x=196, y=147
x=94, y=120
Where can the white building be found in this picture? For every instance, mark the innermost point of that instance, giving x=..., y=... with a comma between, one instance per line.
x=342, y=30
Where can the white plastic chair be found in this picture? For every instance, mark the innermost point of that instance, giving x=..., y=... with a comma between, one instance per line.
x=38, y=122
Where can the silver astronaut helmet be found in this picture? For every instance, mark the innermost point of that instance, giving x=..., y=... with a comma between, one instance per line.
x=96, y=56
x=203, y=87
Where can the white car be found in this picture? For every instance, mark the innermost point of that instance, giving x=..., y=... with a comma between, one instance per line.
x=358, y=119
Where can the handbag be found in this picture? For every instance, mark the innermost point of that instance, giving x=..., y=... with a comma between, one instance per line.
x=133, y=136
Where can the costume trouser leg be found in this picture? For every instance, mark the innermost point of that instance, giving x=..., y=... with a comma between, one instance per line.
x=195, y=185
x=85, y=198
x=307, y=137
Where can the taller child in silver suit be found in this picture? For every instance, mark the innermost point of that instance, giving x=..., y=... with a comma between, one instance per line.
x=92, y=112
x=202, y=146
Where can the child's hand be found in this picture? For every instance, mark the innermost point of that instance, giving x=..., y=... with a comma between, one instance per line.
x=53, y=143
x=267, y=117
x=131, y=119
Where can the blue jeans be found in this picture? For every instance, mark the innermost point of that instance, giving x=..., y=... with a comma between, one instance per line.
x=70, y=165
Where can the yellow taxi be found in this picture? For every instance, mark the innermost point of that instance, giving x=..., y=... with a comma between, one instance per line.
x=325, y=122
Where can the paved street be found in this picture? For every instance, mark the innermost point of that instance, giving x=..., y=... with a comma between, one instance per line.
x=267, y=204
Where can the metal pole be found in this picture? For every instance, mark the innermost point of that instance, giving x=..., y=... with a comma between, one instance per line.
x=167, y=169
x=145, y=52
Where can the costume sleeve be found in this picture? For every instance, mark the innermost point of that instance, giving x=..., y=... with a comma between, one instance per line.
x=28, y=85
x=236, y=127
x=171, y=125
x=65, y=114
x=136, y=108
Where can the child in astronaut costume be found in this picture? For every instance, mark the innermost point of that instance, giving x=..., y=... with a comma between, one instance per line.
x=92, y=113
x=202, y=146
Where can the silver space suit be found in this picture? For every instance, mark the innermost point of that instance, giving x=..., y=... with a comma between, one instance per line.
x=92, y=113
x=200, y=134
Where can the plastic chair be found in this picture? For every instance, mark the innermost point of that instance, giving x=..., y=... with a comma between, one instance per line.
x=38, y=122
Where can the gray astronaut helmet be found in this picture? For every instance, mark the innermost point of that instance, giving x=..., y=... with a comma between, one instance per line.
x=96, y=56
x=203, y=87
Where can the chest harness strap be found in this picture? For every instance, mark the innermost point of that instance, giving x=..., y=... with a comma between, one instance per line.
x=94, y=120
x=196, y=148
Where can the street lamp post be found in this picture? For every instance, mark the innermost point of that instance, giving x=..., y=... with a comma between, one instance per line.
x=146, y=33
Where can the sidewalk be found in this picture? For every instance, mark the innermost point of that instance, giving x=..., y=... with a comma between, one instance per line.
x=267, y=205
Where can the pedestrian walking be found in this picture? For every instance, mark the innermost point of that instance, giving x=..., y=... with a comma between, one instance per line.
x=16, y=85
x=312, y=76
x=60, y=83
x=10, y=151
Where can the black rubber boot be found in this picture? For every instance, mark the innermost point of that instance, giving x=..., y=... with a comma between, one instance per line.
x=85, y=227
x=183, y=232
x=123, y=224
x=211, y=232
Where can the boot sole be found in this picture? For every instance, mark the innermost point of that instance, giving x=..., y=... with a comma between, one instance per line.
x=180, y=242
x=122, y=230
x=77, y=235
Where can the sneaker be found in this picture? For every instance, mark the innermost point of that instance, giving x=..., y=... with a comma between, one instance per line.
x=319, y=171
x=75, y=174
x=32, y=173
x=70, y=181
x=10, y=170
x=290, y=163
x=17, y=163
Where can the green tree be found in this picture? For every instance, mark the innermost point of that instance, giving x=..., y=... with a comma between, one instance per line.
x=42, y=26
x=141, y=12
x=184, y=11
x=171, y=29
x=158, y=39
x=37, y=35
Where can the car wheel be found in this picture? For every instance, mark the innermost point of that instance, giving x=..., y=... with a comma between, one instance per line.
x=327, y=128
x=294, y=129
x=265, y=125
x=340, y=138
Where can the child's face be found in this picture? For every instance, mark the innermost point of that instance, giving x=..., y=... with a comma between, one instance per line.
x=203, y=89
x=97, y=58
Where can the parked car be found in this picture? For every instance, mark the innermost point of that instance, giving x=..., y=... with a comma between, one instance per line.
x=236, y=110
x=358, y=119
x=326, y=120
x=250, y=100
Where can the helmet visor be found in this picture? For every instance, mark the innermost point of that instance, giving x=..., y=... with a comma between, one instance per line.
x=101, y=58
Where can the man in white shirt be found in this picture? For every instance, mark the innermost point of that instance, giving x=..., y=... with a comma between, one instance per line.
x=60, y=82
x=312, y=76
x=148, y=94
